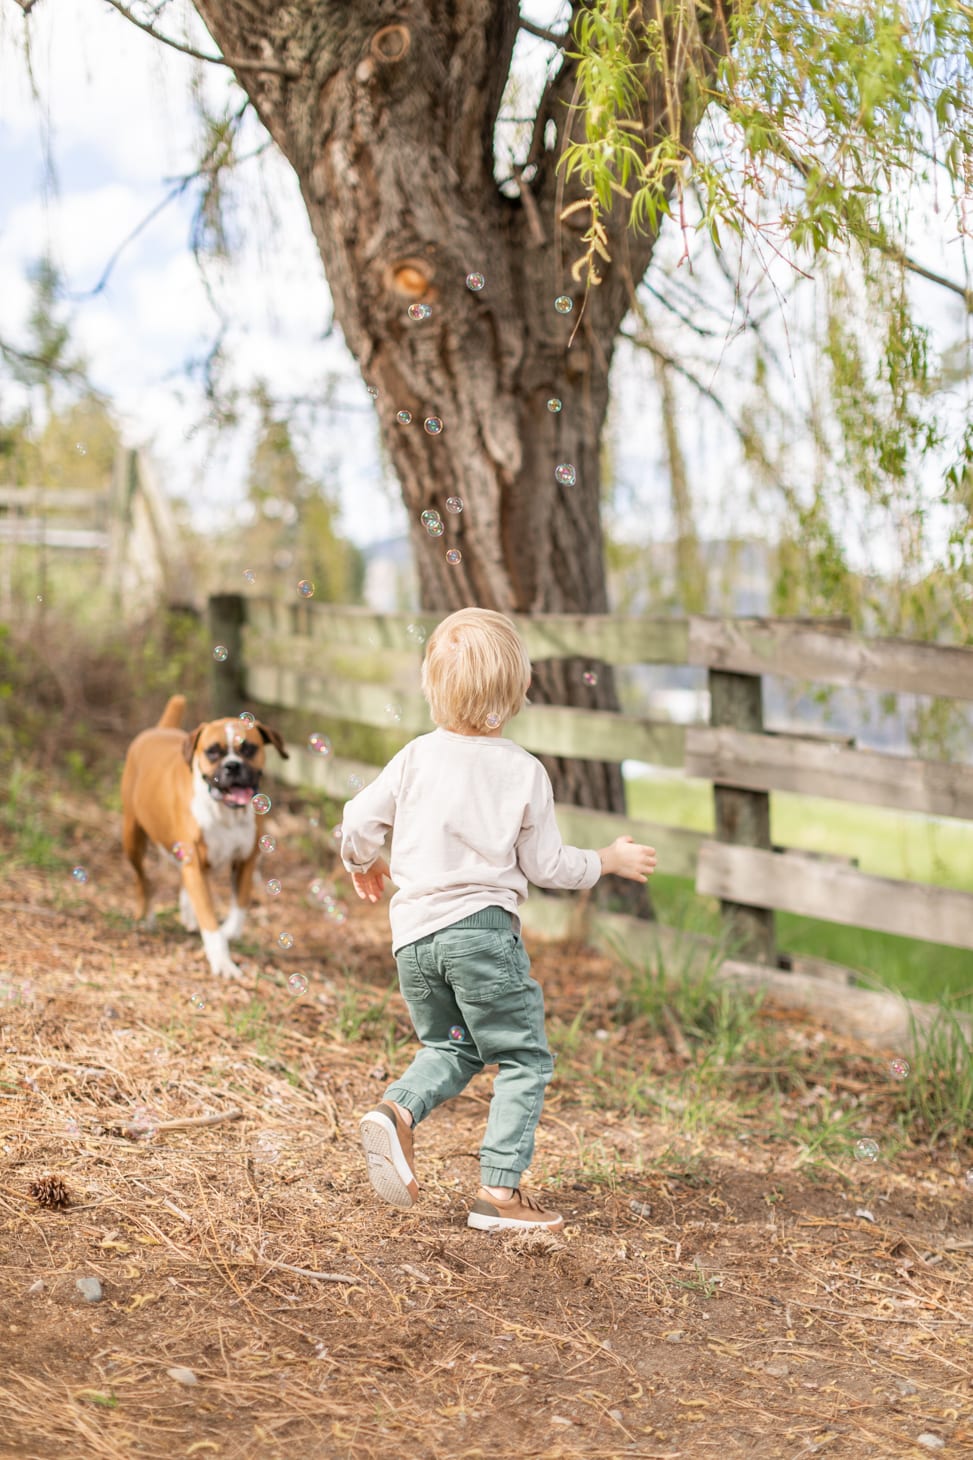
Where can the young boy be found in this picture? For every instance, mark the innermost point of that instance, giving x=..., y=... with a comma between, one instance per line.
x=473, y=818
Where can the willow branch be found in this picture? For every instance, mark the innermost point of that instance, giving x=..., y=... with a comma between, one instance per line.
x=235, y=63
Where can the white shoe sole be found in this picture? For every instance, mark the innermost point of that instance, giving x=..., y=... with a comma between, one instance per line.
x=483, y=1223
x=388, y=1170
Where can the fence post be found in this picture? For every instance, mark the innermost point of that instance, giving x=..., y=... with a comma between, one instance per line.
x=742, y=817
x=226, y=616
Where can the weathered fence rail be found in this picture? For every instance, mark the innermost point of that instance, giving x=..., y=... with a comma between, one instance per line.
x=350, y=664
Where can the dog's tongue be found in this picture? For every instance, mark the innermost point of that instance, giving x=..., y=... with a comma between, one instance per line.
x=238, y=795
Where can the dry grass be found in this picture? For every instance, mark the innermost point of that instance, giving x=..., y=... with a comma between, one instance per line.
x=708, y=1296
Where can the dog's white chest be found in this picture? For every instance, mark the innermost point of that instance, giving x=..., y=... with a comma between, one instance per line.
x=228, y=831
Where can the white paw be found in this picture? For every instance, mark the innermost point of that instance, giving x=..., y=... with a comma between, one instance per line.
x=187, y=913
x=232, y=925
x=218, y=952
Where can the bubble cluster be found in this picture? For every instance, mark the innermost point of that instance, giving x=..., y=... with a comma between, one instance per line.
x=554, y=405
x=590, y=677
x=248, y=718
x=80, y=874
x=454, y=557
x=261, y=803
x=419, y=311
x=563, y=304
x=198, y=1001
x=297, y=983
x=249, y=576
x=899, y=1068
x=267, y=843
x=866, y=1150
x=273, y=887
x=475, y=282
x=566, y=474
x=220, y=653
x=319, y=743
x=454, y=504
x=457, y=1033
x=305, y=588
x=286, y=940
x=432, y=425
x=404, y=418
x=182, y=852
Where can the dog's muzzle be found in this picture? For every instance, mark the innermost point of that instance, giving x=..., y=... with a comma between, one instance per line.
x=234, y=784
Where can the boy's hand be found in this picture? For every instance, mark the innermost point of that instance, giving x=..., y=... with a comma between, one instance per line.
x=627, y=858
x=369, y=884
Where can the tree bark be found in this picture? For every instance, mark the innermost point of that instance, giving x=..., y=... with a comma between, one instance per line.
x=389, y=125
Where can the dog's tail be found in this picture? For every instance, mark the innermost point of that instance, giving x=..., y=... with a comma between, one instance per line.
x=171, y=718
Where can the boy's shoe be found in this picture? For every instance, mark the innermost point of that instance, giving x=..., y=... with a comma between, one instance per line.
x=518, y=1211
x=387, y=1143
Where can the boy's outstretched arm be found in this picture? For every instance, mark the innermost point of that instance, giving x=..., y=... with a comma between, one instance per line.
x=628, y=858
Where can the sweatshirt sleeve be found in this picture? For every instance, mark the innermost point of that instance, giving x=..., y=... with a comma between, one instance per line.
x=542, y=856
x=368, y=818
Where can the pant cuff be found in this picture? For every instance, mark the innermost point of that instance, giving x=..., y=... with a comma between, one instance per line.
x=499, y=1176
x=413, y=1103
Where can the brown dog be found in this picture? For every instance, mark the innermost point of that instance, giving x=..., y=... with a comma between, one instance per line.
x=192, y=794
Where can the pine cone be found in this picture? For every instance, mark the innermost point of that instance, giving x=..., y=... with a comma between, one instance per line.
x=50, y=1191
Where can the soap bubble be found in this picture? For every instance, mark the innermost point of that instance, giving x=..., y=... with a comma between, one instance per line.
x=319, y=743
x=273, y=887
x=899, y=1068
x=590, y=677
x=475, y=282
x=318, y=889
x=417, y=632
x=566, y=474
x=429, y=515
x=419, y=311
x=354, y=783
x=80, y=448
x=393, y=713
x=433, y=425
x=968, y=1178
x=297, y=983
x=247, y=718
x=336, y=912
x=554, y=405
x=563, y=304
x=866, y=1150
x=372, y=391
x=220, y=653
x=198, y=1001
x=454, y=504
x=261, y=803
x=266, y=1148
x=249, y=575
x=182, y=852
x=286, y=940
x=436, y=529
x=492, y=720
x=453, y=557
x=305, y=589
x=144, y=1124
x=457, y=1033
x=80, y=874
x=267, y=842
x=404, y=418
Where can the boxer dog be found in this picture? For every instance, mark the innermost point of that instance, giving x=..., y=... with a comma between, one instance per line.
x=192, y=795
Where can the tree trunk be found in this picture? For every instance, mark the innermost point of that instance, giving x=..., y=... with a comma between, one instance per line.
x=390, y=129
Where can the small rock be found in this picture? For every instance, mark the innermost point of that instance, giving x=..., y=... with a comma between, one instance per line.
x=776, y=1371
x=615, y=1414
x=675, y=1336
x=37, y=1287
x=182, y=1376
x=602, y=1034
x=931, y=1442
x=559, y=1419
x=865, y=1215
x=90, y=1289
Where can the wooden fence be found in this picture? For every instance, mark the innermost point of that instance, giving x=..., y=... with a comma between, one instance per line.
x=349, y=664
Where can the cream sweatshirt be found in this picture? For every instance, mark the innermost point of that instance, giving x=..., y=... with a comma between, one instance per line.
x=473, y=820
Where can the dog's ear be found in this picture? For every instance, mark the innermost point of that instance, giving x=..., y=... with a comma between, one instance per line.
x=190, y=742
x=272, y=737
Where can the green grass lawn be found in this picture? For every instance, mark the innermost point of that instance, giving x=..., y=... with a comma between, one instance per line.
x=886, y=843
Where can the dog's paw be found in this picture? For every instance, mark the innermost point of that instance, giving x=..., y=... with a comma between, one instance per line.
x=232, y=925
x=218, y=953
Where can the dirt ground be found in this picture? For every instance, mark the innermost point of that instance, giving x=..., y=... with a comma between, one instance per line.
x=710, y=1295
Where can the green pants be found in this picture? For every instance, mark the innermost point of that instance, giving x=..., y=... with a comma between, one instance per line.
x=474, y=1003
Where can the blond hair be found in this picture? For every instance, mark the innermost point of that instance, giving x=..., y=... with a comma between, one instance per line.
x=476, y=672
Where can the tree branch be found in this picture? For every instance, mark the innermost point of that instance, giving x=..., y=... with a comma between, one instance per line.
x=538, y=30
x=235, y=63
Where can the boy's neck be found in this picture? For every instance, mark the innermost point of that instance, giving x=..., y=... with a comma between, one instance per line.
x=475, y=734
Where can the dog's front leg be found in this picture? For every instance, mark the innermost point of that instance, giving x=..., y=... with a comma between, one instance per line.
x=241, y=887
x=215, y=943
